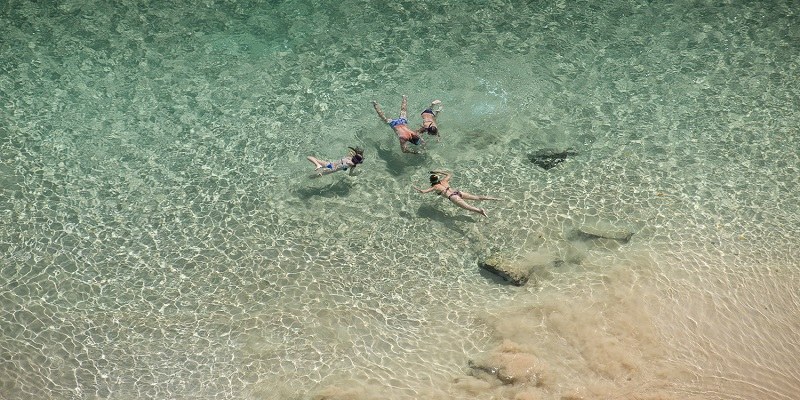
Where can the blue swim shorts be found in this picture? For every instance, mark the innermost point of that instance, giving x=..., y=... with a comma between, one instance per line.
x=398, y=121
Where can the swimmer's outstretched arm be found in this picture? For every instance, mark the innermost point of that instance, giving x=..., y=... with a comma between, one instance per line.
x=378, y=110
x=428, y=190
x=447, y=175
x=405, y=149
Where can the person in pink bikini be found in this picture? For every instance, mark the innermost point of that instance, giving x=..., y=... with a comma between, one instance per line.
x=442, y=186
x=400, y=126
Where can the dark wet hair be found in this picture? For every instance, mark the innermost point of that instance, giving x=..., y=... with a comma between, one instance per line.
x=434, y=179
x=415, y=140
x=357, y=150
x=358, y=154
x=432, y=130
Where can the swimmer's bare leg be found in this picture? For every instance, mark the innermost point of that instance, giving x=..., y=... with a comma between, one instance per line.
x=378, y=110
x=321, y=166
x=438, y=110
x=404, y=107
x=463, y=204
x=468, y=196
x=317, y=162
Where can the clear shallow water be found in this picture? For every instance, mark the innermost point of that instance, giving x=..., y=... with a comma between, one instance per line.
x=161, y=237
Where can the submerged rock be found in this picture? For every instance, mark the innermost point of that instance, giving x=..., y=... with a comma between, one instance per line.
x=516, y=273
x=550, y=158
x=602, y=231
x=521, y=270
x=510, y=364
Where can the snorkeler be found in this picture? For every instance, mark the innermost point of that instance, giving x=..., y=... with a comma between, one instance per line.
x=429, y=120
x=442, y=187
x=400, y=127
x=350, y=161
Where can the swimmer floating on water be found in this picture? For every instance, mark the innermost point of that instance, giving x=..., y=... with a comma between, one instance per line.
x=442, y=187
x=400, y=126
x=350, y=161
x=429, y=120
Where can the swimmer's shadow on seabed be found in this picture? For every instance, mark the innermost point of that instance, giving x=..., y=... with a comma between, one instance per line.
x=339, y=188
x=398, y=162
x=446, y=219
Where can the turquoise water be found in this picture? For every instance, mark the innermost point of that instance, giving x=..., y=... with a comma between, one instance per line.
x=162, y=237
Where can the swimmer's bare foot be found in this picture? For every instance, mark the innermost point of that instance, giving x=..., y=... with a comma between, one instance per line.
x=483, y=212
